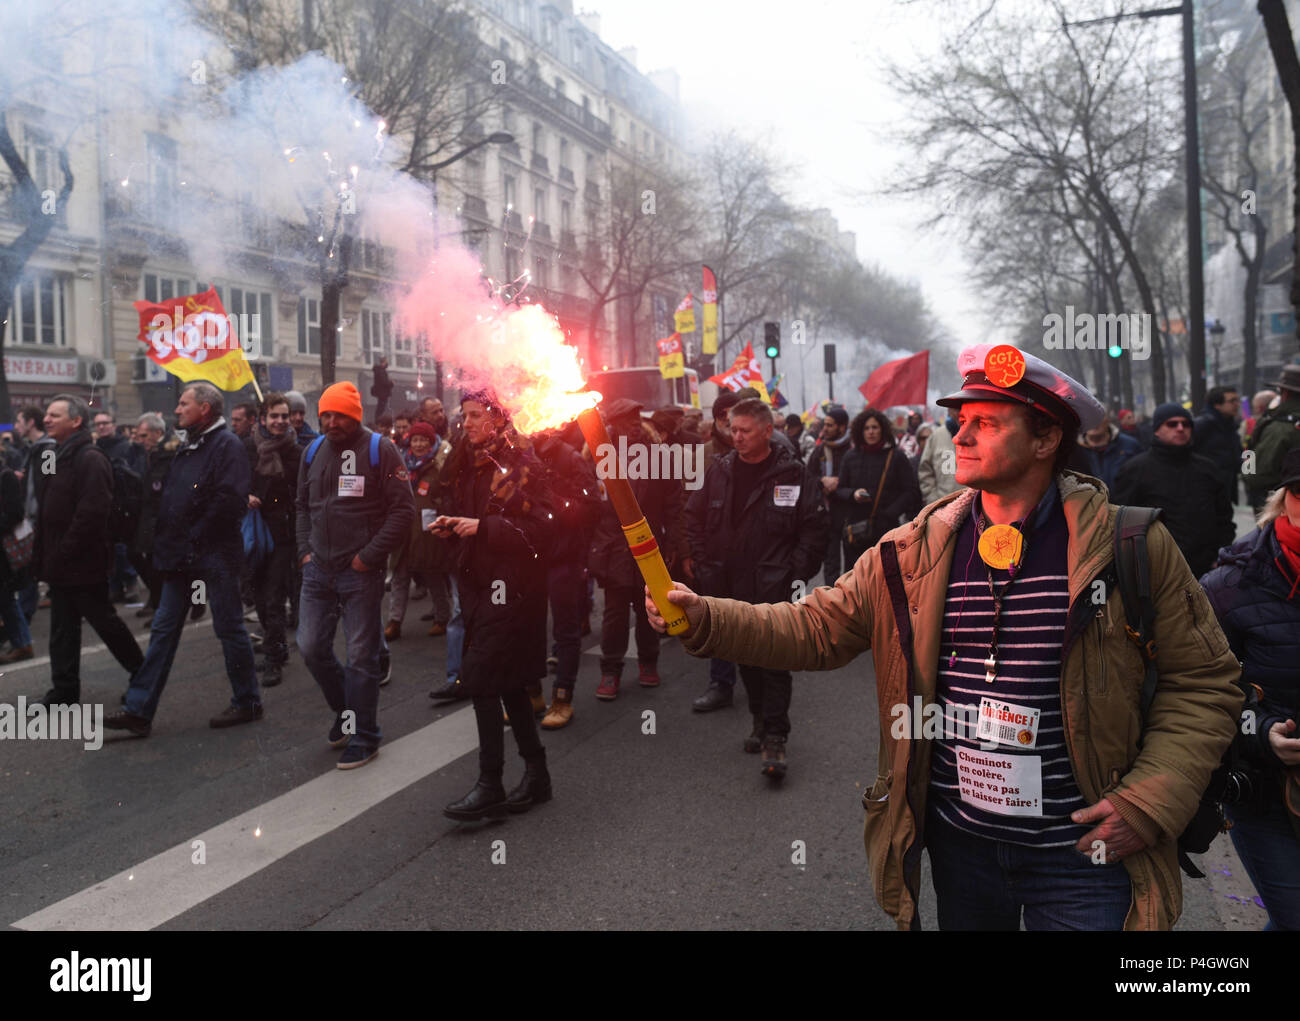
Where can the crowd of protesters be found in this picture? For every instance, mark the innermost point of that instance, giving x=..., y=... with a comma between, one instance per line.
x=256, y=516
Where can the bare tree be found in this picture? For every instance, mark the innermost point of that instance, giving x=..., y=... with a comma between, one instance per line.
x=421, y=69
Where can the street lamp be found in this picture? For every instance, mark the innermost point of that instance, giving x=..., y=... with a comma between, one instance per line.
x=496, y=138
x=1195, y=268
x=1216, y=338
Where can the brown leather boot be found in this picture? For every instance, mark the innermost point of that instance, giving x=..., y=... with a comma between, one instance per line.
x=561, y=711
x=393, y=630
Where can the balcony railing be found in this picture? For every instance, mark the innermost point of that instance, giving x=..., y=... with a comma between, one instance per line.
x=568, y=241
x=566, y=175
x=542, y=232
x=540, y=163
x=514, y=222
x=532, y=83
x=475, y=207
x=592, y=191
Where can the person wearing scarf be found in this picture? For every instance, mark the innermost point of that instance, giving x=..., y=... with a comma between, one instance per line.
x=824, y=474
x=274, y=489
x=877, y=484
x=1255, y=593
x=500, y=524
x=423, y=559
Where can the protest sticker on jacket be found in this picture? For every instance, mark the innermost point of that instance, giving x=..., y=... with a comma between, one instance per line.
x=1002, y=784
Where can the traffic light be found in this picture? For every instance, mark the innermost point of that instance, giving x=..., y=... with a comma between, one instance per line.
x=772, y=338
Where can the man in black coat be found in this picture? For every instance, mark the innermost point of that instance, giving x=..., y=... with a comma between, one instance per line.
x=123, y=578
x=73, y=552
x=757, y=531
x=824, y=464
x=382, y=388
x=662, y=501
x=575, y=502
x=1187, y=487
x=198, y=551
x=1214, y=434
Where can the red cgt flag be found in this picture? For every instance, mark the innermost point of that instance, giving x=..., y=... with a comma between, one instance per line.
x=902, y=381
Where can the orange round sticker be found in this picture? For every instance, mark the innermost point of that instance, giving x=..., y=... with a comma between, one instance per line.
x=1001, y=546
x=1004, y=366
x=1025, y=737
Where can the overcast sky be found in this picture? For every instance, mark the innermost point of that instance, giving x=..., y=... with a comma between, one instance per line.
x=807, y=77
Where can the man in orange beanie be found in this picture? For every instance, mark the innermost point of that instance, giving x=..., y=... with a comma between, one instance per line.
x=354, y=508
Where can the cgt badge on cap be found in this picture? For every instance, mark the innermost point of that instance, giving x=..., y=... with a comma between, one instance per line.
x=1004, y=365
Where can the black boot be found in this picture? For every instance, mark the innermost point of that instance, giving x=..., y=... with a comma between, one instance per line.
x=488, y=798
x=754, y=743
x=533, y=789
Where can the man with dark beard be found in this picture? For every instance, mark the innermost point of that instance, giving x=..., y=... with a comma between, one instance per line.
x=824, y=473
x=502, y=528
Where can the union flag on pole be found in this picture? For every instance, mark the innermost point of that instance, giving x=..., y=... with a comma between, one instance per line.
x=193, y=338
x=709, y=296
x=902, y=381
x=684, y=317
x=744, y=372
x=672, y=365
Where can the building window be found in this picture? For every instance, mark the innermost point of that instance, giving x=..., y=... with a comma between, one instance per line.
x=159, y=289
x=564, y=153
x=539, y=205
x=309, y=326
x=38, y=311
x=541, y=273
x=566, y=216
x=160, y=156
x=559, y=87
x=252, y=312
x=376, y=334
x=507, y=119
x=539, y=140
x=508, y=191
x=403, y=350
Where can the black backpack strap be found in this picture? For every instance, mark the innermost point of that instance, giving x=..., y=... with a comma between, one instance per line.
x=1133, y=569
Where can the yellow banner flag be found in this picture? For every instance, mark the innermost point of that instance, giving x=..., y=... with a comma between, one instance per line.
x=672, y=363
x=684, y=317
x=709, y=297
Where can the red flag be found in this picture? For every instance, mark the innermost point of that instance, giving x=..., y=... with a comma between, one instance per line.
x=902, y=381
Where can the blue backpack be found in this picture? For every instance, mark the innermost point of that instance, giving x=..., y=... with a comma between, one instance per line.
x=314, y=445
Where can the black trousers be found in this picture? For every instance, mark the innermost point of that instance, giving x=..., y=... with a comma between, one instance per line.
x=271, y=583
x=143, y=564
x=492, y=731
x=613, y=629
x=69, y=605
x=769, y=697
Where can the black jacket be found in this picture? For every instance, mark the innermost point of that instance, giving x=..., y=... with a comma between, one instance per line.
x=575, y=499
x=774, y=545
x=1215, y=437
x=11, y=515
x=72, y=545
x=501, y=577
x=334, y=528
x=897, y=495
x=1189, y=489
x=662, y=501
x=279, y=494
x=839, y=510
x=115, y=446
x=1257, y=600
x=204, y=500
x=158, y=463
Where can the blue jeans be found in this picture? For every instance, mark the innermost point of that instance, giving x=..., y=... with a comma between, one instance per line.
x=174, y=605
x=984, y=884
x=28, y=597
x=722, y=673
x=356, y=595
x=455, y=632
x=15, y=623
x=1270, y=851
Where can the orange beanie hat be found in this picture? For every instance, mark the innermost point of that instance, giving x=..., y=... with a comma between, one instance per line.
x=342, y=398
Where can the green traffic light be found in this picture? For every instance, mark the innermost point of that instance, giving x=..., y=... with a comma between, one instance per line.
x=771, y=351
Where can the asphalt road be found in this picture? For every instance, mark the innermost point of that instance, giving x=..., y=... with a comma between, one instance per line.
x=670, y=829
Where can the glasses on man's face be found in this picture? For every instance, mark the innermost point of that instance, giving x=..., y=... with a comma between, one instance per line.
x=1179, y=423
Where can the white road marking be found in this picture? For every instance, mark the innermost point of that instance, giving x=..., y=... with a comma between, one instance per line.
x=86, y=650
x=162, y=887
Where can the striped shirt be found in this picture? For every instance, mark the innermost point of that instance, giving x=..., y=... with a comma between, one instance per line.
x=1000, y=801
